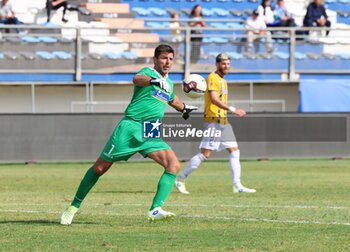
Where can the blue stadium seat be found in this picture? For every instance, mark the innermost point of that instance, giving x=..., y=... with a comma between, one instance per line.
x=62, y=55
x=129, y=55
x=281, y=55
x=344, y=14
x=343, y=17
x=140, y=11
x=157, y=11
x=344, y=56
x=45, y=55
x=206, y=12
x=344, y=1
x=329, y=56
x=237, y=13
x=12, y=55
x=220, y=12
x=46, y=39
x=299, y=56
x=313, y=56
x=113, y=56
x=28, y=55
x=235, y=56
x=96, y=56
x=30, y=39
x=2, y=56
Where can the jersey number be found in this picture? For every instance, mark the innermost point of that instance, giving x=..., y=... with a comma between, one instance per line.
x=110, y=151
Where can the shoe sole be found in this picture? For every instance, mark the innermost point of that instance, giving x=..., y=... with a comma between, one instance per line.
x=244, y=192
x=65, y=224
x=163, y=218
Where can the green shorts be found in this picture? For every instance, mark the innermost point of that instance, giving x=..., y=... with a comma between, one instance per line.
x=127, y=139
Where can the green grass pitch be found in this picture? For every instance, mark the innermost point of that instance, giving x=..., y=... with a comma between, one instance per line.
x=300, y=205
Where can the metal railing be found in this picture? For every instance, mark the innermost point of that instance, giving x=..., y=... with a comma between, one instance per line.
x=289, y=35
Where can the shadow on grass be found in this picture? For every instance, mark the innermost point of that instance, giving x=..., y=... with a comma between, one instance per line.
x=42, y=222
x=140, y=191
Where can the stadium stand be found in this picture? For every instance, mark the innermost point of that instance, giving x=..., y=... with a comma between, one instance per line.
x=115, y=34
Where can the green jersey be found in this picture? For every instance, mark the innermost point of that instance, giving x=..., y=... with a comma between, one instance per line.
x=149, y=102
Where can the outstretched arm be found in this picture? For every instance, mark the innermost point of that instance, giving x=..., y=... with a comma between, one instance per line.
x=141, y=80
x=216, y=101
x=177, y=104
x=180, y=106
x=144, y=80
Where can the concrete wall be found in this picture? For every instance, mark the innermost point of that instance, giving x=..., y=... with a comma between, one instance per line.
x=81, y=137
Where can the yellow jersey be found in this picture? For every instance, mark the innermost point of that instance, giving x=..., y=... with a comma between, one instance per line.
x=213, y=113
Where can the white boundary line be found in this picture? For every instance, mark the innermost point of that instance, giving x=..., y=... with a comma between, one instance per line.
x=266, y=220
x=202, y=217
x=194, y=205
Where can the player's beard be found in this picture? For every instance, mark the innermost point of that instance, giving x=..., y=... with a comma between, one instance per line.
x=162, y=71
x=223, y=72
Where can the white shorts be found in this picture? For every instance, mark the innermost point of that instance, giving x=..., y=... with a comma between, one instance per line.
x=227, y=138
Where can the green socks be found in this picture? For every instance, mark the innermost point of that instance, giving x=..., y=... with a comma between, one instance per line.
x=85, y=186
x=165, y=186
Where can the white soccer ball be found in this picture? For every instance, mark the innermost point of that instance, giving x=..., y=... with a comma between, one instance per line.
x=194, y=86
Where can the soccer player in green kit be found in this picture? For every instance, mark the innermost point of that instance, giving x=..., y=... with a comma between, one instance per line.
x=153, y=91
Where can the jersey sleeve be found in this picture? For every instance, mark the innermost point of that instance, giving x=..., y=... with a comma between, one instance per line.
x=143, y=71
x=213, y=83
x=172, y=96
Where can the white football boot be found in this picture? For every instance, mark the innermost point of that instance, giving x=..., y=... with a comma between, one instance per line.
x=242, y=189
x=180, y=185
x=158, y=214
x=68, y=215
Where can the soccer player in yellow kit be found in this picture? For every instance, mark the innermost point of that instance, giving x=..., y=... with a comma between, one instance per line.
x=215, y=118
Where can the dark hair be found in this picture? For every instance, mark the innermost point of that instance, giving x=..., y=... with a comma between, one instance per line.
x=222, y=57
x=263, y=2
x=163, y=48
x=195, y=7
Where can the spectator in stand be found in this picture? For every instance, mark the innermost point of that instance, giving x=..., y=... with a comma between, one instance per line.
x=7, y=15
x=266, y=13
x=197, y=22
x=256, y=31
x=282, y=16
x=55, y=5
x=316, y=15
x=176, y=34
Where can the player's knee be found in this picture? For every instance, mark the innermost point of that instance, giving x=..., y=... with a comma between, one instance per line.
x=101, y=169
x=206, y=155
x=173, y=166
